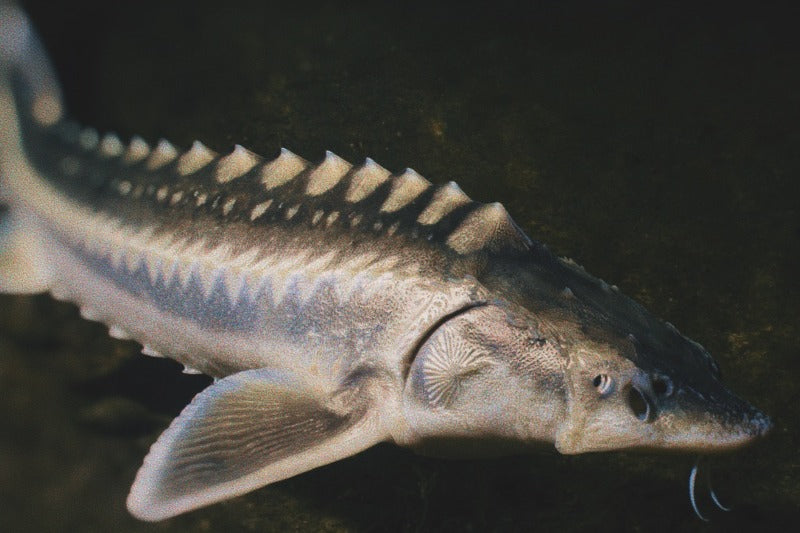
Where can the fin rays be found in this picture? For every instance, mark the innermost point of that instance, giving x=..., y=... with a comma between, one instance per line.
x=245, y=431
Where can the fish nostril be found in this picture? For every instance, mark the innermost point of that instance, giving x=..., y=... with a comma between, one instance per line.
x=638, y=404
x=662, y=385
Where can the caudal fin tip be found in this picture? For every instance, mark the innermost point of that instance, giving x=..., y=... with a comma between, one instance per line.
x=14, y=32
x=21, y=51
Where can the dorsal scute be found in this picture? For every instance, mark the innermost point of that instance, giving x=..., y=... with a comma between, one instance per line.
x=197, y=157
x=370, y=192
x=161, y=155
x=365, y=180
x=490, y=228
x=137, y=150
x=289, y=190
x=406, y=188
x=88, y=139
x=327, y=174
x=446, y=198
x=282, y=169
x=236, y=164
x=111, y=146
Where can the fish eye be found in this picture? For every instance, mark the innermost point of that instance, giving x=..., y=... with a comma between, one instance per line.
x=662, y=385
x=604, y=384
x=638, y=404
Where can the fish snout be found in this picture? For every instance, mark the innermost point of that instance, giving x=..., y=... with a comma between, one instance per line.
x=715, y=421
x=760, y=424
x=708, y=418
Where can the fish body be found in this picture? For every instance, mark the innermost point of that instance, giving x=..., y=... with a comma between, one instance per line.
x=336, y=306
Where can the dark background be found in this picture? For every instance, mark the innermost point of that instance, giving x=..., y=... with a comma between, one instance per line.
x=654, y=143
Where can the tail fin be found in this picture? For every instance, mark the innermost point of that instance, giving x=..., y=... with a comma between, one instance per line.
x=25, y=69
x=29, y=93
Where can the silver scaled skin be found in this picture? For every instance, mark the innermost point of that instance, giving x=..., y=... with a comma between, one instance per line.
x=336, y=306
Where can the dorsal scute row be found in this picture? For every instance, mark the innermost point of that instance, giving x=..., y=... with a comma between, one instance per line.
x=290, y=190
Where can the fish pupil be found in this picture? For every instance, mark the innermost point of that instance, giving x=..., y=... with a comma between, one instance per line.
x=603, y=383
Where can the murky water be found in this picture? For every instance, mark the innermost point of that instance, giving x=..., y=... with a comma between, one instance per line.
x=658, y=148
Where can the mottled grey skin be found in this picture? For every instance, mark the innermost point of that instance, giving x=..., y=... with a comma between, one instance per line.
x=337, y=306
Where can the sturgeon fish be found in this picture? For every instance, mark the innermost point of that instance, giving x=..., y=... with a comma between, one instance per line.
x=336, y=306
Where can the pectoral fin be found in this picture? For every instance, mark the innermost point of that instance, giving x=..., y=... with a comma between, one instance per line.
x=245, y=431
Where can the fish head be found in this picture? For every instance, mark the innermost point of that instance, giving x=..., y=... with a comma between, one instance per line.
x=661, y=393
x=630, y=379
x=591, y=372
